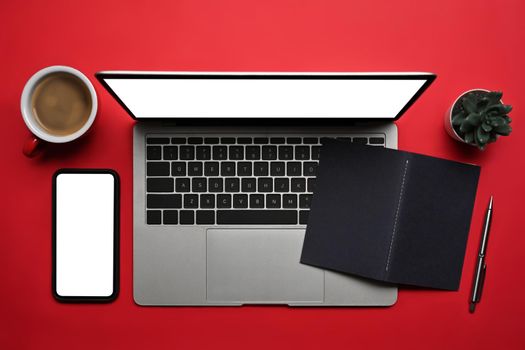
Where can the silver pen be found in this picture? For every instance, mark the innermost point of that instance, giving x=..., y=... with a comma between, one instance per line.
x=481, y=266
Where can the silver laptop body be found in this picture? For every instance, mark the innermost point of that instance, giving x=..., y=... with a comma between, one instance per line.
x=221, y=194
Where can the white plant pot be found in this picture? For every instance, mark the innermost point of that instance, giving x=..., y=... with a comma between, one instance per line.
x=448, y=118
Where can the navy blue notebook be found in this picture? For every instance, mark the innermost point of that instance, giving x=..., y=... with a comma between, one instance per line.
x=390, y=215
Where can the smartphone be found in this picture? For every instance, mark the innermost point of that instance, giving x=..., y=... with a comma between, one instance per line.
x=85, y=235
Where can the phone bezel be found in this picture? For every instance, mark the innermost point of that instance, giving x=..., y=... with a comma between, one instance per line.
x=116, y=238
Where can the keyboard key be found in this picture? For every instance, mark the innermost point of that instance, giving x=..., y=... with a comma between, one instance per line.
x=207, y=201
x=153, y=217
x=203, y=153
x=285, y=152
x=244, y=140
x=256, y=201
x=236, y=152
x=277, y=169
x=298, y=185
x=260, y=168
x=187, y=217
x=211, y=169
x=231, y=184
x=273, y=201
x=282, y=184
x=253, y=152
x=302, y=152
x=344, y=139
x=249, y=185
x=199, y=184
x=159, y=184
x=293, y=140
x=215, y=184
x=310, y=168
x=157, y=140
x=220, y=152
x=178, y=140
x=240, y=201
x=164, y=201
x=265, y=184
x=194, y=168
x=211, y=140
x=191, y=201
x=260, y=140
x=244, y=169
x=178, y=169
x=170, y=217
x=170, y=152
x=376, y=140
x=305, y=200
x=187, y=153
x=228, y=140
x=205, y=217
x=310, y=184
x=303, y=217
x=360, y=140
x=153, y=153
x=257, y=217
x=316, y=152
x=277, y=140
x=310, y=140
x=227, y=169
x=195, y=140
x=224, y=201
x=293, y=169
x=290, y=201
x=158, y=168
x=269, y=152
x=182, y=184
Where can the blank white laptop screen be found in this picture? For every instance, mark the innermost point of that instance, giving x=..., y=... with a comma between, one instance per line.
x=265, y=98
x=84, y=235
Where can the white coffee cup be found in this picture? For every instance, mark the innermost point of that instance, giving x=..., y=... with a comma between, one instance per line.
x=39, y=134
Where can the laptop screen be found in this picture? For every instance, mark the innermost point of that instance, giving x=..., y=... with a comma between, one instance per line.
x=317, y=96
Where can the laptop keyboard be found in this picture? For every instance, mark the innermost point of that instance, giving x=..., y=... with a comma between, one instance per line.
x=233, y=180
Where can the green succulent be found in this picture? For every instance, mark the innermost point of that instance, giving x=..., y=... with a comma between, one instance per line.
x=480, y=117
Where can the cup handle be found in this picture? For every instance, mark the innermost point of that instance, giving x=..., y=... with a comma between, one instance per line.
x=31, y=146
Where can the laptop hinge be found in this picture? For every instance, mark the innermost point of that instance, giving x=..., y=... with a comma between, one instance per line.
x=168, y=122
x=372, y=122
x=172, y=122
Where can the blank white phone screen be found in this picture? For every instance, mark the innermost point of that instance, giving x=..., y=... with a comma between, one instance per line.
x=84, y=234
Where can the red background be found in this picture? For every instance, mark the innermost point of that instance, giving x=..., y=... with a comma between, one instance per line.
x=468, y=44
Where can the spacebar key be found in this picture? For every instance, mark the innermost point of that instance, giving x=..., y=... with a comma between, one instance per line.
x=257, y=217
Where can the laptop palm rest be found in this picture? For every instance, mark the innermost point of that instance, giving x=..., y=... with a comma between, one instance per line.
x=247, y=266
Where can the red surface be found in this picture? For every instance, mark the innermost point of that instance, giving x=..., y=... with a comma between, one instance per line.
x=476, y=43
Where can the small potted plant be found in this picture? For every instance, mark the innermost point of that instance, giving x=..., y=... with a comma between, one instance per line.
x=478, y=117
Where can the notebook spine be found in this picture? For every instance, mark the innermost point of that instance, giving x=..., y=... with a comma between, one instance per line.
x=395, y=226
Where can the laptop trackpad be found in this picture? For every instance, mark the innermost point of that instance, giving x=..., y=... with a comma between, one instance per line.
x=260, y=266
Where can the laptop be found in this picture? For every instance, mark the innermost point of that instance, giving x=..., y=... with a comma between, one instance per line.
x=224, y=171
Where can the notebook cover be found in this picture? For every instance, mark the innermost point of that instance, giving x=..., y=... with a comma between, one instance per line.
x=390, y=215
